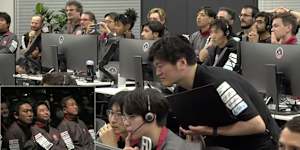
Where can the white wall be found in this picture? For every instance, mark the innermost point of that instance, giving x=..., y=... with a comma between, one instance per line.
x=8, y=6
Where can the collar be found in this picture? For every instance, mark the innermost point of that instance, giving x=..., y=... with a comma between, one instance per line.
x=42, y=125
x=70, y=117
x=291, y=40
x=6, y=33
x=162, y=138
x=205, y=33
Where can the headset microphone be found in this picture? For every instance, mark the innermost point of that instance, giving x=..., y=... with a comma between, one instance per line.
x=136, y=129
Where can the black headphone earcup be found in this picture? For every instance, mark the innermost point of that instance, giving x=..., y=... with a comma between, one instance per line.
x=149, y=117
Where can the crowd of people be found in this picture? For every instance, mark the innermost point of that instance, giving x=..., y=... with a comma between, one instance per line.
x=207, y=56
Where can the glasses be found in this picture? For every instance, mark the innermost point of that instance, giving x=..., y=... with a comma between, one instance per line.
x=245, y=15
x=116, y=114
x=126, y=117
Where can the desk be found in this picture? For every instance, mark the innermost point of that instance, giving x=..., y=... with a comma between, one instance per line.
x=113, y=91
x=80, y=81
x=284, y=117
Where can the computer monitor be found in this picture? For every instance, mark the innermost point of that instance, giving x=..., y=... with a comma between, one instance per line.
x=255, y=57
x=76, y=50
x=129, y=50
x=8, y=69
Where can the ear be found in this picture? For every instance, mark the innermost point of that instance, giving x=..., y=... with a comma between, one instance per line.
x=64, y=110
x=16, y=116
x=155, y=35
x=127, y=26
x=181, y=64
x=290, y=28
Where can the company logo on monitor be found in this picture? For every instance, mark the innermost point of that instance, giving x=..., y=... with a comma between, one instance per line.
x=61, y=39
x=146, y=46
x=279, y=53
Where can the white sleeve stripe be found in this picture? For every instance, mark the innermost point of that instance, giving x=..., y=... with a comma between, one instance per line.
x=239, y=108
x=234, y=101
x=231, y=99
x=228, y=95
x=223, y=87
x=23, y=42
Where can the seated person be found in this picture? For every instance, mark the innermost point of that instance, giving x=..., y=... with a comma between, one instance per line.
x=87, y=22
x=222, y=49
x=58, y=78
x=152, y=30
x=114, y=133
x=145, y=114
x=290, y=135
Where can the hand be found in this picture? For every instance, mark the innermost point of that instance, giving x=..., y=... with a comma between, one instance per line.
x=253, y=37
x=20, y=70
x=197, y=130
x=203, y=55
x=280, y=10
x=127, y=143
x=108, y=136
x=274, y=39
x=104, y=28
x=90, y=27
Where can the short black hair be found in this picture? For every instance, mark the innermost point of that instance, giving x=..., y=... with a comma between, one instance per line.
x=58, y=78
x=171, y=49
x=254, y=9
x=17, y=106
x=155, y=26
x=129, y=17
x=118, y=99
x=224, y=26
x=231, y=12
x=288, y=19
x=75, y=3
x=113, y=15
x=294, y=124
x=37, y=105
x=208, y=11
x=136, y=103
x=91, y=15
x=6, y=17
x=267, y=17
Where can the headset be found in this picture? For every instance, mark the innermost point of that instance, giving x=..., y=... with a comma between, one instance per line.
x=268, y=19
x=227, y=31
x=149, y=116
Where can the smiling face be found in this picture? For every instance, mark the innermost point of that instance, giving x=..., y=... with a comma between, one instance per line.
x=71, y=107
x=43, y=113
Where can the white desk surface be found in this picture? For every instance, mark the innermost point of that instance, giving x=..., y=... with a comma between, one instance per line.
x=80, y=82
x=113, y=91
x=284, y=117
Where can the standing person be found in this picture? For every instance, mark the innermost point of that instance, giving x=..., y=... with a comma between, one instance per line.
x=73, y=10
x=152, y=30
x=74, y=131
x=253, y=129
x=87, y=22
x=8, y=40
x=31, y=47
x=107, y=26
x=43, y=135
x=19, y=133
x=158, y=14
x=247, y=19
x=199, y=39
x=124, y=23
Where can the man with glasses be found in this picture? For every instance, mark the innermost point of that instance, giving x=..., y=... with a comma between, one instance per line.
x=247, y=20
x=145, y=114
x=114, y=133
x=74, y=132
